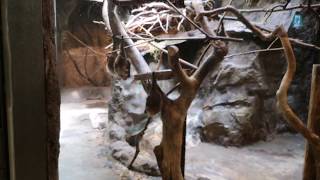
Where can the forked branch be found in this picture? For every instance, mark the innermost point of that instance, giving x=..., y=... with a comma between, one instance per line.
x=220, y=51
x=173, y=57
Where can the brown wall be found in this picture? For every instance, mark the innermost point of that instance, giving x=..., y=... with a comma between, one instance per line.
x=81, y=44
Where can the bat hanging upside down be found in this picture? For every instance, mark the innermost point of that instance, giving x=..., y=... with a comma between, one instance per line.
x=118, y=63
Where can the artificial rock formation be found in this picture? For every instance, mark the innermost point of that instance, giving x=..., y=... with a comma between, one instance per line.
x=238, y=99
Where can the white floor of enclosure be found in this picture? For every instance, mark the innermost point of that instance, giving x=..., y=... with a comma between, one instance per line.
x=81, y=139
x=280, y=159
x=83, y=150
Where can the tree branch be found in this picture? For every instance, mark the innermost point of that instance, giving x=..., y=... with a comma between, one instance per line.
x=263, y=36
x=173, y=57
x=300, y=6
x=282, y=93
x=198, y=7
x=255, y=30
x=209, y=36
x=220, y=51
x=303, y=44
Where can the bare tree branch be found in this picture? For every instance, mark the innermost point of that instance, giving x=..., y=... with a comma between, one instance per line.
x=254, y=51
x=198, y=7
x=282, y=93
x=263, y=36
x=209, y=36
x=300, y=6
x=303, y=44
x=173, y=54
x=220, y=51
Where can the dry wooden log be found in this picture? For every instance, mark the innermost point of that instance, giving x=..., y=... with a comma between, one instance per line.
x=312, y=155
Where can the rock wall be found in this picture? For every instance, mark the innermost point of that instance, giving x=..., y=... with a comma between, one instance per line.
x=239, y=96
x=239, y=105
x=126, y=112
x=309, y=33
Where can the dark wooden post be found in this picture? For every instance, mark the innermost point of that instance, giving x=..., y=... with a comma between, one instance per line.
x=52, y=91
x=4, y=171
x=24, y=83
x=312, y=156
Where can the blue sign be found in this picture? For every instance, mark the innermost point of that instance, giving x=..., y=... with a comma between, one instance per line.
x=297, y=20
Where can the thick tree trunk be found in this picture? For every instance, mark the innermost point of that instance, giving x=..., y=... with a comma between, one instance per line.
x=170, y=151
x=52, y=89
x=312, y=155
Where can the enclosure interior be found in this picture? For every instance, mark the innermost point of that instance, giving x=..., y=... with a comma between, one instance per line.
x=234, y=127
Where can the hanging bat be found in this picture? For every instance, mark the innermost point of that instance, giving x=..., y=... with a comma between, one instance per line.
x=154, y=99
x=121, y=63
